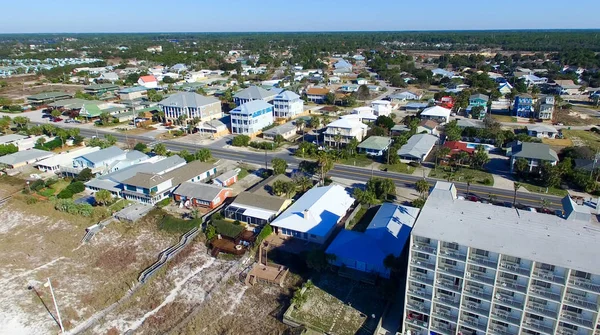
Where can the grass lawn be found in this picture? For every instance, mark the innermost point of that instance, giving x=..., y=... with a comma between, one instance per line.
x=481, y=177
x=531, y=187
x=400, y=168
x=359, y=160
x=360, y=223
x=504, y=118
x=227, y=228
x=583, y=137
x=172, y=224
x=119, y=205
x=557, y=143
x=361, y=212
x=60, y=185
x=243, y=173
x=339, y=306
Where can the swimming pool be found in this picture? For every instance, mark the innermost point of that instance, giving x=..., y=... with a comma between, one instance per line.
x=487, y=147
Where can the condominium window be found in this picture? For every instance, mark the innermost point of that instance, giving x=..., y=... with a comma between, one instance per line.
x=538, y=301
x=572, y=309
x=546, y=267
x=481, y=252
x=569, y=326
x=446, y=292
x=536, y=317
x=541, y=283
x=504, y=308
x=478, y=269
x=581, y=274
x=508, y=276
x=420, y=270
x=473, y=300
x=450, y=245
x=471, y=315
x=512, y=259
x=449, y=262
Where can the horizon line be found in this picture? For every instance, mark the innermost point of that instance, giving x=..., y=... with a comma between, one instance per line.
x=314, y=31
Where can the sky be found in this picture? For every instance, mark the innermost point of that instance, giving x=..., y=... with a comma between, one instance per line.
x=82, y=16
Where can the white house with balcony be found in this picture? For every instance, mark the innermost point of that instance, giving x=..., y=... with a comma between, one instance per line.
x=251, y=117
x=342, y=131
x=287, y=104
x=381, y=107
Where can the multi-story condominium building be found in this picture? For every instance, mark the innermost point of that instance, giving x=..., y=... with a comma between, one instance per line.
x=191, y=105
x=253, y=93
x=340, y=132
x=477, y=268
x=523, y=106
x=251, y=117
x=287, y=104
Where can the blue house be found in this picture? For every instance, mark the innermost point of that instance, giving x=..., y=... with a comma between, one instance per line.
x=100, y=159
x=523, y=106
x=387, y=234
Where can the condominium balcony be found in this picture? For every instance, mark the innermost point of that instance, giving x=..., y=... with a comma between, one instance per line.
x=483, y=261
x=585, y=284
x=444, y=315
x=576, y=319
x=541, y=310
x=453, y=254
x=511, y=285
x=508, y=301
x=453, y=271
x=424, y=247
x=480, y=277
x=447, y=284
x=477, y=292
x=499, y=330
x=473, y=323
x=419, y=292
x=548, y=276
x=578, y=301
x=566, y=331
x=416, y=331
x=506, y=317
x=475, y=308
x=515, y=268
x=544, y=292
x=415, y=276
x=415, y=322
x=441, y=298
x=422, y=262
x=538, y=325
x=417, y=306
x=442, y=328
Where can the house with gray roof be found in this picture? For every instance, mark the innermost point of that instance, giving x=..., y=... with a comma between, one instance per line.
x=534, y=153
x=150, y=188
x=287, y=130
x=201, y=195
x=253, y=93
x=99, y=160
x=191, y=105
x=256, y=209
x=375, y=145
x=25, y=157
x=541, y=131
x=418, y=147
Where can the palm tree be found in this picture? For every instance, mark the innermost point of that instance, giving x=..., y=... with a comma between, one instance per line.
x=103, y=197
x=469, y=179
x=441, y=153
x=315, y=122
x=161, y=117
x=516, y=185
x=338, y=140
x=422, y=186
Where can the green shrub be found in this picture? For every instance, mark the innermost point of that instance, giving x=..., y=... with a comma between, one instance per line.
x=76, y=187
x=164, y=202
x=240, y=141
x=51, y=182
x=65, y=194
x=487, y=181
x=264, y=233
x=37, y=185
x=217, y=216
x=46, y=192
x=31, y=200
x=263, y=145
x=172, y=224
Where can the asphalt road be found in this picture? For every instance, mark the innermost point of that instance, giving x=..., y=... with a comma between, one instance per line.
x=361, y=175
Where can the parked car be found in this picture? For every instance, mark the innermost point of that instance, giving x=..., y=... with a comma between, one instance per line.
x=472, y=197
x=46, y=116
x=57, y=119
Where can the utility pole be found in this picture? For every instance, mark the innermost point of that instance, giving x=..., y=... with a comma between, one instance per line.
x=49, y=284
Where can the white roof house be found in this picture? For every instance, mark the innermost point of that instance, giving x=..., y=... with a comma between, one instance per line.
x=11, y=138
x=418, y=147
x=381, y=107
x=25, y=157
x=63, y=159
x=570, y=241
x=315, y=214
x=436, y=112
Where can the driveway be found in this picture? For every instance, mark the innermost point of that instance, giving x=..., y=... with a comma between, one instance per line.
x=499, y=167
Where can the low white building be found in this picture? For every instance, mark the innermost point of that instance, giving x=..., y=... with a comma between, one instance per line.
x=437, y=113
x=314, y=216
x=381, y=107
x=64, y=159
x=287, y=104
x=541, y=131
x=148, y=81
x=417, y=148
x=192, y=77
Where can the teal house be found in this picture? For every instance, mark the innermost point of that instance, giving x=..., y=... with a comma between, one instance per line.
x=478, y=100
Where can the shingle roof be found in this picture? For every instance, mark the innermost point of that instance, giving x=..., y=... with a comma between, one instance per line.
x=178, y=175
x=260, y=201
x=281, y=129
x=418, y=145
x=376, y=143
x=535, y=150
x=317, y=91
x=200, y=191
x=254, y=93
x=188, y=99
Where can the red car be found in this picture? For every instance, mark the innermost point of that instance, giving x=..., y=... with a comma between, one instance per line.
x=57, y=119
x=473, y=198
